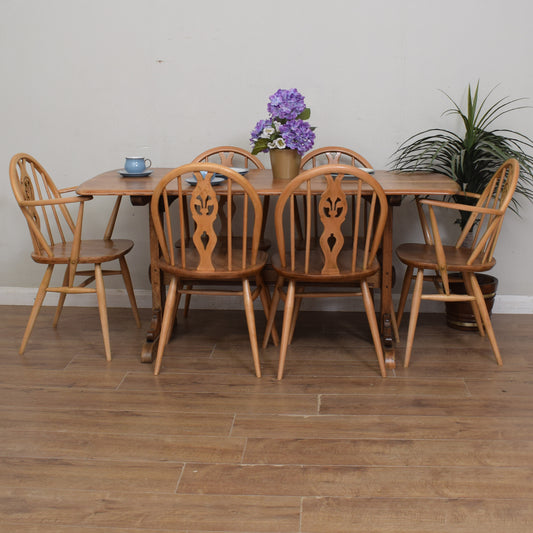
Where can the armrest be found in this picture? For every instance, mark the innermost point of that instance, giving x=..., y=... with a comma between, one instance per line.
x=56, y=201
x=460, y=207
x=67, y=189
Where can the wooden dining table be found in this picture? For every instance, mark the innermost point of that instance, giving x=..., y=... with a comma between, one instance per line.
x=396, y=185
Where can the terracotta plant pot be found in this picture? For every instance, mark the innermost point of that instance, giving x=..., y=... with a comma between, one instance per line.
x=285, y=163
x=459, y=314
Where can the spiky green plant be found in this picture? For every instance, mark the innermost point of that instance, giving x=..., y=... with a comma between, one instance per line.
x=471, y=158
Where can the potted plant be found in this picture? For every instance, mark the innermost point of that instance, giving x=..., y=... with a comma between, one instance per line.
x=286, y=133
x=471, y=159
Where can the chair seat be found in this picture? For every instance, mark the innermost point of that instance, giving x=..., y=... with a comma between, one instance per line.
x=316, y=262
x=220, y=264
x=424, y=256
x=91, y=251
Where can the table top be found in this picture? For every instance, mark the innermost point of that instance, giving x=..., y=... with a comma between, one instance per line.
x=393, y=183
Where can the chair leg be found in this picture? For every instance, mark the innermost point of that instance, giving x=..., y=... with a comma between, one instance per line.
x=41, y=293
x=174, y=317
x=62, y=296
x=287, y=321
x=266, y=302
x=102, y=308
x=374, y=328
x=415, y=308
x=250, y=319
x=475, y=308
x=485, y=317
x=297, y=305
x=187, y=303
x=273, y=309
x=405, y=292
x=129, y=288
x=166, y=323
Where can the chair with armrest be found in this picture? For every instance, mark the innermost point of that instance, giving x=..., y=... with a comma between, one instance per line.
x=211, y=255
x=341, y=264
x=484, y=224
x=57, y=240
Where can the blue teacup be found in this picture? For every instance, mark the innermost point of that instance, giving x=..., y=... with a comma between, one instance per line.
x=137, y=165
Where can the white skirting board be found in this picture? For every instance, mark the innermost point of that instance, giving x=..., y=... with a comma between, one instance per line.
x=504, y=304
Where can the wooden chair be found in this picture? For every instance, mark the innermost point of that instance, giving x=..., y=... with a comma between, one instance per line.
x=233, y=157
x=342, y=264
x=208, y=256
x=331, y=155
x=484, y=225
x=57, y=240
x=327, y=155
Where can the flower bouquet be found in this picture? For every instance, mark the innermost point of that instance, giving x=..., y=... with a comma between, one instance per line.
x=287, y=127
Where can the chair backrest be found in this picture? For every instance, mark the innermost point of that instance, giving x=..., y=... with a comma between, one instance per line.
x=330, y=155
x=486, y=220
x=333, y=185
x=46, y=213
x=212, y=252
x=229, y=156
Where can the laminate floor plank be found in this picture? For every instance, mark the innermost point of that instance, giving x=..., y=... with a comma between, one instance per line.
x=426, y=515
x=160, y=401
x=124, y=447
x=358, y=481
x=384, y=427
x=97, y=475
x=388, y=452
x=117, y=421
x=346, y=404
x=163, y=511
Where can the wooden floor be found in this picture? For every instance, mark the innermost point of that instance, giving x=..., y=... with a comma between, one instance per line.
x=89, y=446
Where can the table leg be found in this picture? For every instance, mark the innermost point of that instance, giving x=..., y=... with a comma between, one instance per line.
x=149, y=348
x=386, y=293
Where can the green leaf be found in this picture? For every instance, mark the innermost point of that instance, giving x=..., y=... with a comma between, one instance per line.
x=260, y=145
x=305, y=114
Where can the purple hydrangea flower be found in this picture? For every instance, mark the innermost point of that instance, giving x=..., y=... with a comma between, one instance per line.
x=284, y=129
x=298, y=135
x=259, y=127
x=286, y=104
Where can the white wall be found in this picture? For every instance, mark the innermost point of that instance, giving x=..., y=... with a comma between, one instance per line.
x=86, y=82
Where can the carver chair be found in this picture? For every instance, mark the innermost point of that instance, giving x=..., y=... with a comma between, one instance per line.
x=57, y=240
x=341, y=264
x=210, y=256
x=484, y=225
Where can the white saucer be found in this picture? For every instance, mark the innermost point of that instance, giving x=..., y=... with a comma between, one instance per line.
x=367, y=170
x=240, y=170
x=127, y=174
x=215, y=180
